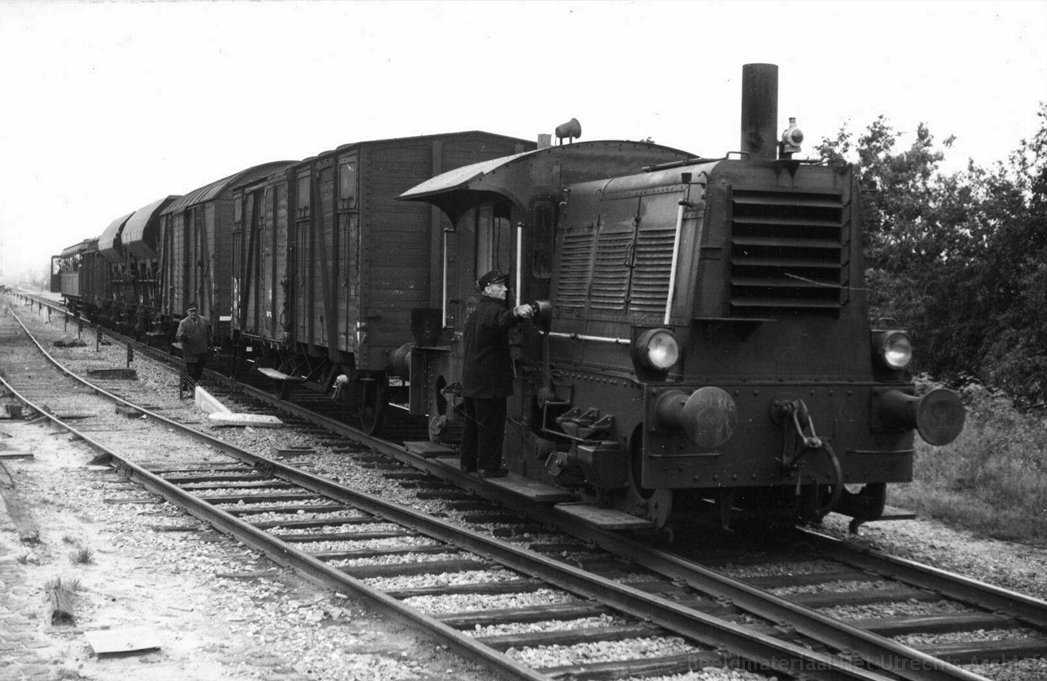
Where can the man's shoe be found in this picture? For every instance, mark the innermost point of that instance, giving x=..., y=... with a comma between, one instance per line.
x=467, y=469
x=496, y=473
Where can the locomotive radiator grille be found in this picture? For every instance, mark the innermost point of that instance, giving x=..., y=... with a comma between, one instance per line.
x=788, y=252
x=574, y=271
x=609, y=286
x=654, y=259
x=626, y=275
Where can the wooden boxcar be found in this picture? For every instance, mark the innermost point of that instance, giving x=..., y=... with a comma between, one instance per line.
x=329, y=264
x=196, y=250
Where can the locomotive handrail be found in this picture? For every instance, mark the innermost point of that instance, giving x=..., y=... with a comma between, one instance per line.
x=582, y=336
x=676, y=257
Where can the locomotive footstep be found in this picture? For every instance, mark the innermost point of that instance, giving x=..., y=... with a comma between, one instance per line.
x=606, y=518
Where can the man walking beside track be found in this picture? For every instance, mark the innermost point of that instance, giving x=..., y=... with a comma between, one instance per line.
x=487, y=375
x=194, y=333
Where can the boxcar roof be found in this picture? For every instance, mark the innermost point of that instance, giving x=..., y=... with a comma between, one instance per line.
x=211, y=191
x=420, y=138
x=76, y=248
x=107, y=242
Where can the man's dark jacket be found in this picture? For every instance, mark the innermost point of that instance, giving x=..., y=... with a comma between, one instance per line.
x=488, y=367
x=194, y=336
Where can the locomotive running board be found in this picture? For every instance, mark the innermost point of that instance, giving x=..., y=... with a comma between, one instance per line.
x=531, y=489
x=604, y=518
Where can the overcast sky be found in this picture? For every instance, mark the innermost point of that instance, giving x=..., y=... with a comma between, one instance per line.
x=105, y=107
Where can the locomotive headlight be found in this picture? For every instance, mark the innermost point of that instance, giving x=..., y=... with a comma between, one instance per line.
x=893, y=349
x=656, y=350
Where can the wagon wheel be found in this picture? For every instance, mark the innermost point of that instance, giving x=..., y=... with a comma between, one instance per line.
x=373, y=404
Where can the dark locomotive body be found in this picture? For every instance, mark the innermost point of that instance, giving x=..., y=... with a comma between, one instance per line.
x=704, y=339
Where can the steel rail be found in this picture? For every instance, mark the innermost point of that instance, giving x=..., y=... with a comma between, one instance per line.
x=1019, y=606
x=882, y=652
x=765, y=650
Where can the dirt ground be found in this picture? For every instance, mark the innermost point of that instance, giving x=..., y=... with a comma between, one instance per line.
x=140, y=570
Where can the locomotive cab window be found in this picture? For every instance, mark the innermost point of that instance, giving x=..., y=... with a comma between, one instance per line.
x=493, y=238
x=542, y=239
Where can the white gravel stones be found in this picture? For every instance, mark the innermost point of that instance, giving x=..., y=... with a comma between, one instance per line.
x=836, y=586
x=777, y=569
x=272, y=516
x=429, y=580
x=441, y=605
x=1015, y=670
x=710, y=674
x=894, y=609
x=547, y=625
x=921, y=640
x=601, y=651
x=397, y=559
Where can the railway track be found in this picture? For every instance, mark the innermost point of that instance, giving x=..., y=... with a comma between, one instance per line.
x=725, y=614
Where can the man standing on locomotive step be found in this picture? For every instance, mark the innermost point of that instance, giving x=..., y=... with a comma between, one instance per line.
x=487, y=375
x=194, y=333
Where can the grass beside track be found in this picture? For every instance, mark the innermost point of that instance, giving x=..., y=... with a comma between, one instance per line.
x=992, y=479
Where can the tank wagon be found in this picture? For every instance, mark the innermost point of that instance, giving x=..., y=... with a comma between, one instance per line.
x=328, y=265
x=703, y=342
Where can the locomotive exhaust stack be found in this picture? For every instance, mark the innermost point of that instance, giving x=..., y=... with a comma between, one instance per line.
x=760, y=111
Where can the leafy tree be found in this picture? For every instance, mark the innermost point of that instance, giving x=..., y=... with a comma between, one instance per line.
x=961, y=259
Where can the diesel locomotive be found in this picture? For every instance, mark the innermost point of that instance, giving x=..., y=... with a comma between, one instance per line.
x=703, y=342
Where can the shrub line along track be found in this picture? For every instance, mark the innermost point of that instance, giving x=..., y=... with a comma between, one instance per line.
x=903, y=661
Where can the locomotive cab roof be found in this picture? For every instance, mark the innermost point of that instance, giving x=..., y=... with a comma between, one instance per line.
x=566, y=165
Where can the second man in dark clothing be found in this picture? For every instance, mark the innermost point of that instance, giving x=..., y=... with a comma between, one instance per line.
x=487, y=375
x=194, y=333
